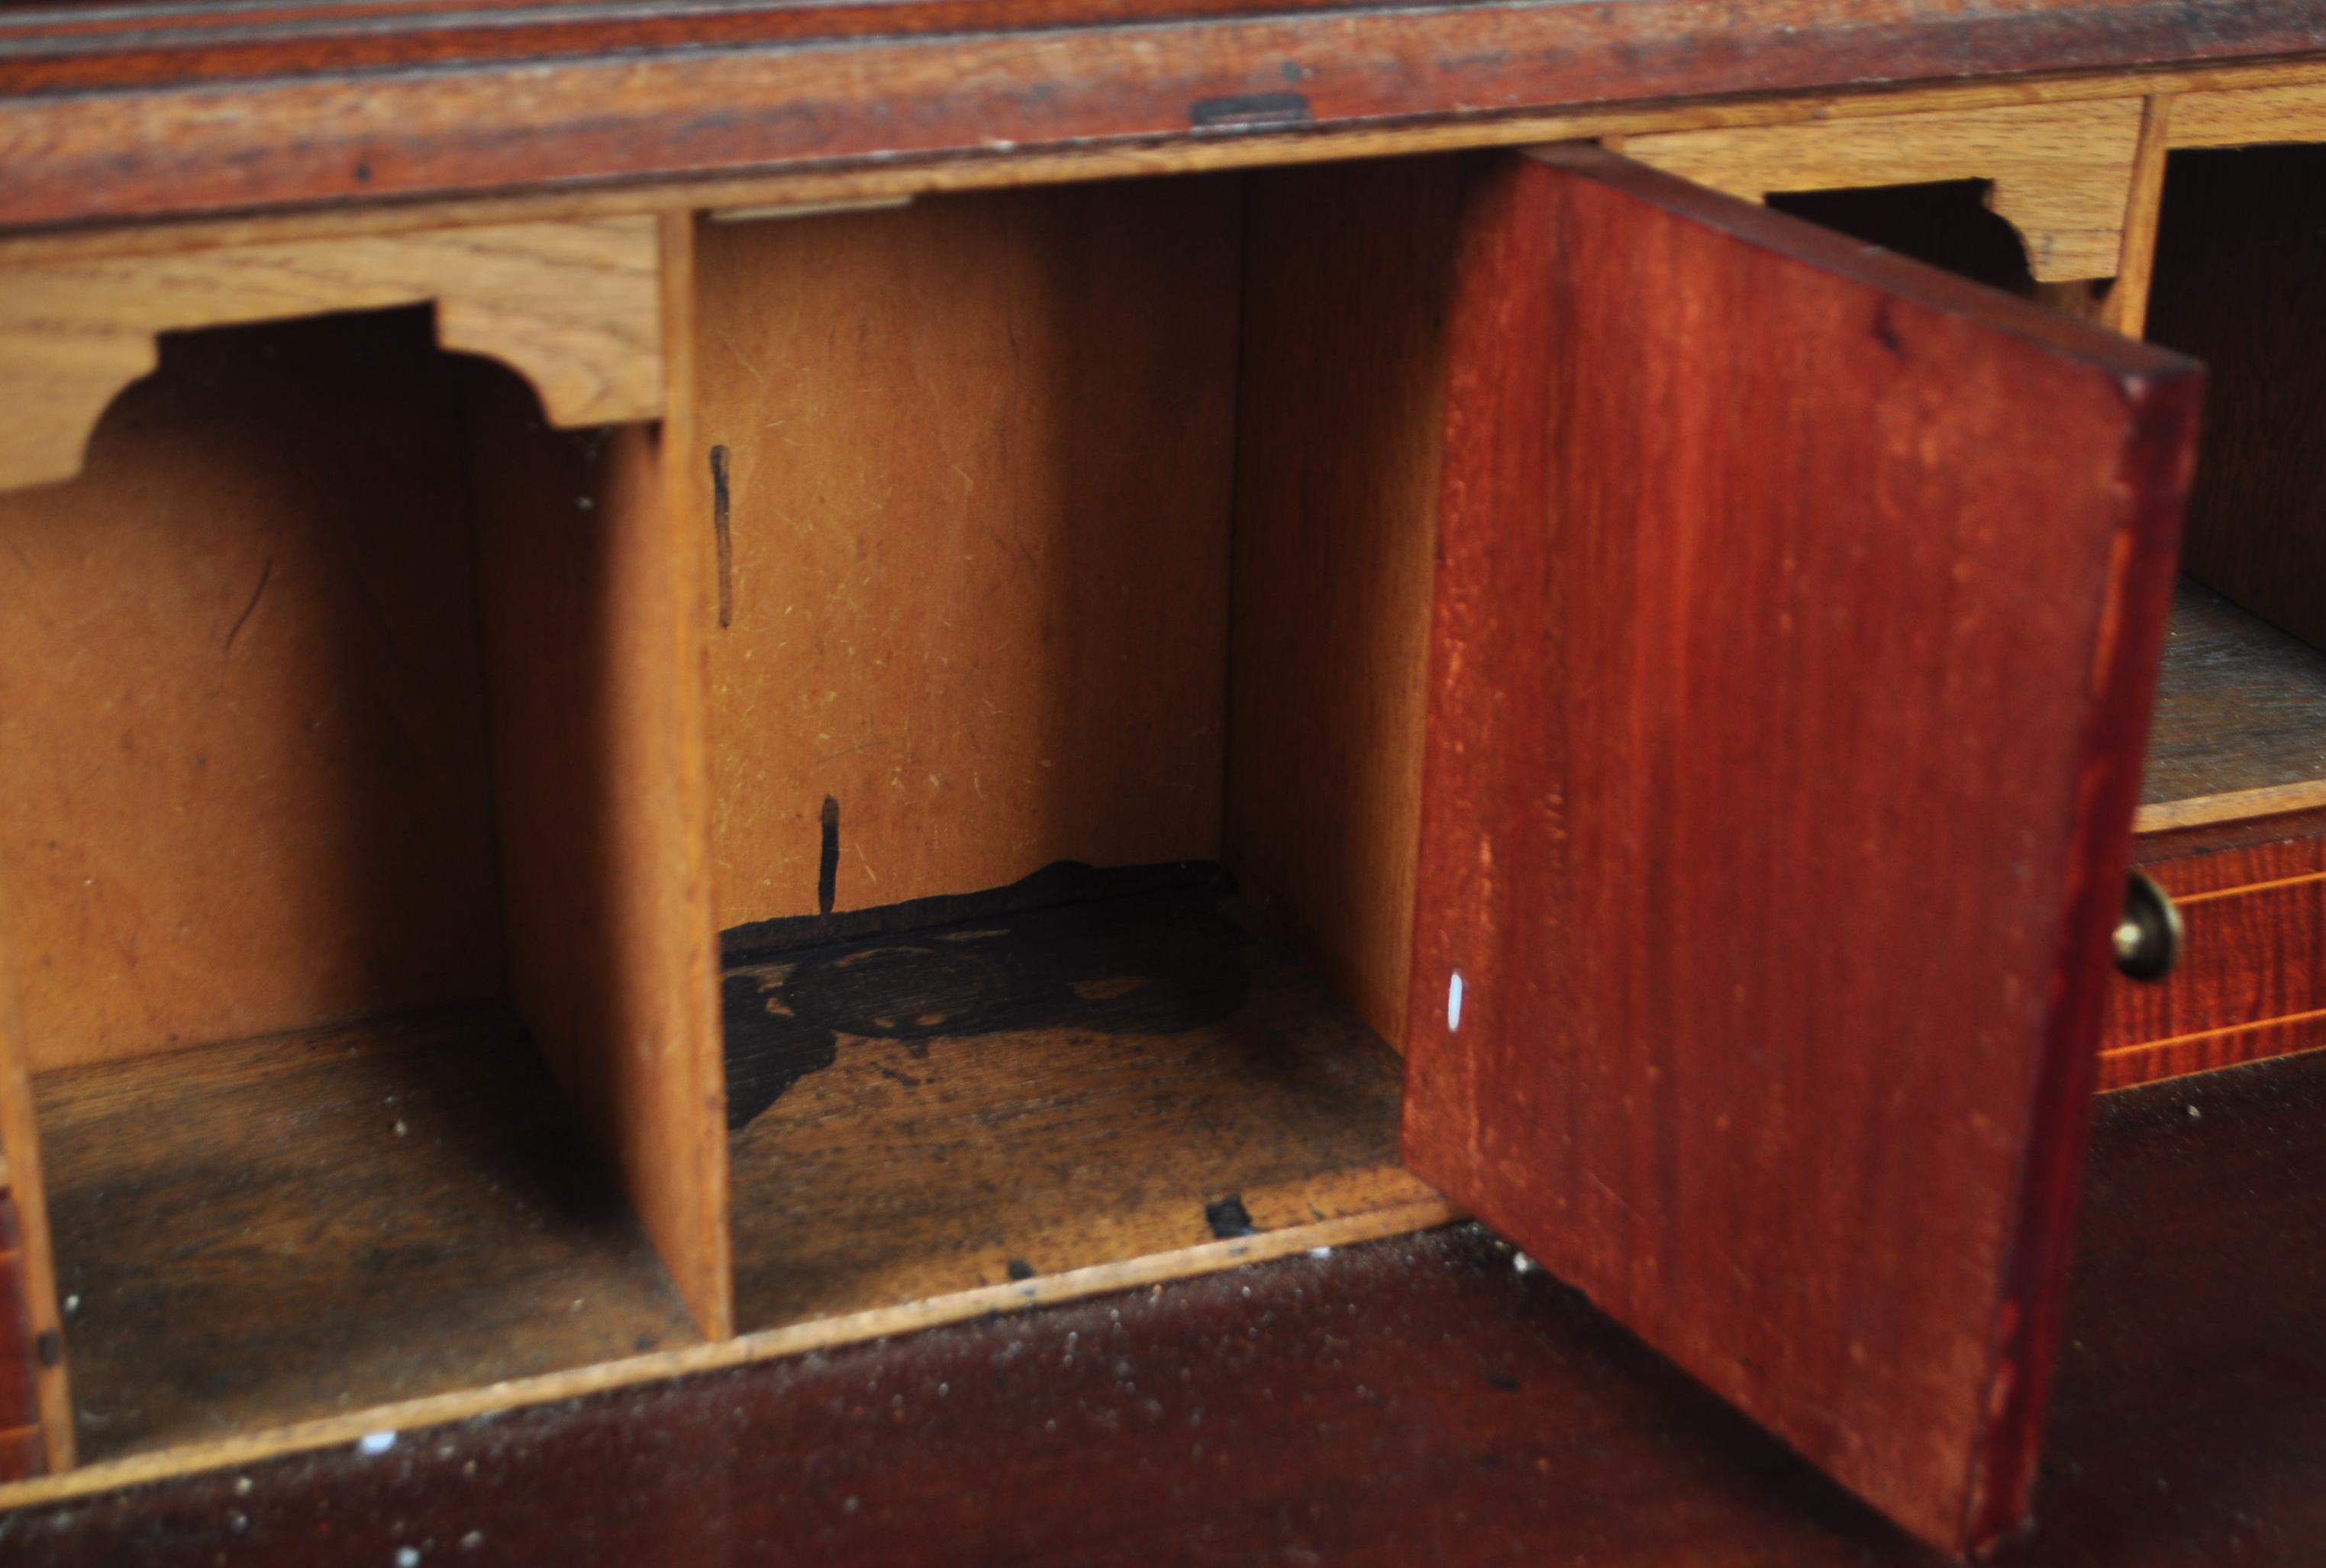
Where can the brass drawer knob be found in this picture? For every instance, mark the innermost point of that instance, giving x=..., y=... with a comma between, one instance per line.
x=2148, y=932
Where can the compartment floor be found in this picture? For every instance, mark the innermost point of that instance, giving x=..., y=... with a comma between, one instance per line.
x=1037, y=1092
x=2240, y=705
x=262, y=1232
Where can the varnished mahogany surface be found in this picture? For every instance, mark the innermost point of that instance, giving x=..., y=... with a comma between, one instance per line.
x=1409, y=1401
x=1797, y=608
x=110, y=113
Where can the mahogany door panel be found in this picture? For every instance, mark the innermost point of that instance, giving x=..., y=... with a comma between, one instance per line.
x=1797, y=614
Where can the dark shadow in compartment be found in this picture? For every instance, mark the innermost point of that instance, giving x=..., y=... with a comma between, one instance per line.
x=2240, y=283
x=1946, y=223
x=301, y=1157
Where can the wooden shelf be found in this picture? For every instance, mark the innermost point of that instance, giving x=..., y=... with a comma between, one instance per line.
x=2240, y=707
x=1037, y=1091
x=257, y=1233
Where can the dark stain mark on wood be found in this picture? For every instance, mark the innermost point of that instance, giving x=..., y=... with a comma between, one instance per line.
x=1885, y=329
x=1228, y=1218
x=1064, y=881
x=1019, y=1269
x=827, y=870
x=266, y=573
x=723, y=536
x=1163, y=956
x=1238, y=110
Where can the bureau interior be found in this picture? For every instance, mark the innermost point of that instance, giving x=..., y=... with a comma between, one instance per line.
x=281, y=766
x=2240, y=283
x=1072, y=554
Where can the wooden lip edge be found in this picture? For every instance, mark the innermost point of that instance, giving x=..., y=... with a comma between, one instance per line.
x=2237, y=806
x=317, y=182
x=900, y=180
x=401, y=1418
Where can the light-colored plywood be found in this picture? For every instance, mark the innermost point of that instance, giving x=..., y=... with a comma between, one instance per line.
x=2293, y=111
x=1340, y=420
x=573, y=305
x=978, y=473
x=23, y=1181
x=594, y=621
x=2061, y=173
x=243, y=785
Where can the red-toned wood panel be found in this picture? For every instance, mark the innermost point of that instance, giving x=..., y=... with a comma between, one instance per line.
x=1797, y=613
x=2252, y=978
x=19, y=1415
x=622, y=103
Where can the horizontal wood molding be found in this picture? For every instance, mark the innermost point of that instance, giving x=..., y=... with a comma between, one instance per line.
x=278, y=139
x=799, y=190
x=2062, y=172
x=573, y=305
x=2289, y=112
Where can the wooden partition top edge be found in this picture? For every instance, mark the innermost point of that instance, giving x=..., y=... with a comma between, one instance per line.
x=390, y=1424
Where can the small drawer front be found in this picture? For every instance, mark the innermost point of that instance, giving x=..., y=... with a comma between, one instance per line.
x=20, y=1420
x=2252, y=980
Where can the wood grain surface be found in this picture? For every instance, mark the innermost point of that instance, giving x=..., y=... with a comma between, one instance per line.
x=31, y=1268
x=243, y=784
x=978, y=465
x=2240, y=705
x=1422, y=1401
x=1030, y=1092
x=1340, y=413
x=285, y=1227
x=2241, y=284
x=283, y=136
x=574, y=306
x=1796, y=612
x=2252, y=979
x=593, y=621
x=2059, y=173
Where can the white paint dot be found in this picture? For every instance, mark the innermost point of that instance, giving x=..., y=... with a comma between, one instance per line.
x=1453, y=1003
x=407, y=1557
x=375, y=1443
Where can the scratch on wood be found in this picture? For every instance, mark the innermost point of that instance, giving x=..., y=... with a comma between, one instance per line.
x=243, y=620
x=726, y=542
x=827, y=875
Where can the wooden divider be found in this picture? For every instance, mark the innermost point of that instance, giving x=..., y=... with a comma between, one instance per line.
x=593, y=611
x=27, y=1270
x=1339, y=423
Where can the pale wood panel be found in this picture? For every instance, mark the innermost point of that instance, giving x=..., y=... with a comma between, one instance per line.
x=978, y=457
x=572, y=306
x=242, y=766
x=1340, y=421
x=2062, y=172
x=2291, y=111
x=594, y=617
